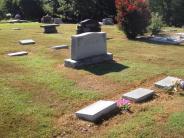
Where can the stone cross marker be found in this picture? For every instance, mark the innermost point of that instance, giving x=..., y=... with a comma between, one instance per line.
x=97, y=110
x=139, y=95
x=88, y=48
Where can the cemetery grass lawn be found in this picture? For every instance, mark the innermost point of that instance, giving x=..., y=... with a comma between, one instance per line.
x=38, y=95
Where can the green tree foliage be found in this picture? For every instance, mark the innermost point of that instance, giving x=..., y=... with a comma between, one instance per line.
x=156, y=23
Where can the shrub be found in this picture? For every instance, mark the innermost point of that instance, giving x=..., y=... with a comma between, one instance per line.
x=156, y=24
x=133, y=16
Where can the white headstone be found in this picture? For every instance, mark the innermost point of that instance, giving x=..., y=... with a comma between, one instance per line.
x=95, y=111
x=88, y=44
x=27, y=42
x=167, y=83
x=139, y=95
x=22, y=53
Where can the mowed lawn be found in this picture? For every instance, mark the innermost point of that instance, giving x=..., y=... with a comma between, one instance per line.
x=39, y=96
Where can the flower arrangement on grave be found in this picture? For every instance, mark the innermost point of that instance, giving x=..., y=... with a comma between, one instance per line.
x=124, y=104
x=133, y=16
x=179, y=84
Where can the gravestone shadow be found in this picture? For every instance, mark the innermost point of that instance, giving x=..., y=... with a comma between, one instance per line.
x=105, y=68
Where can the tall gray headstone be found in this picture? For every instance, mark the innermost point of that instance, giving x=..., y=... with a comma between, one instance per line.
x=88, y=48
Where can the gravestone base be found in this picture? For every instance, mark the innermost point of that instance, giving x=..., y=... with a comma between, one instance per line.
x=88, y=61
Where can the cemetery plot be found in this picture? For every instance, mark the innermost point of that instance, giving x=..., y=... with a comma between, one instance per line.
x=27, y=42
x=139, y=95
x=167, y=40
x=97, y=110
x=22, y=53
x=167, y=83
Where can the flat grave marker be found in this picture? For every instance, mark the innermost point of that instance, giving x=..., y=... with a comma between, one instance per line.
x=21, y=53
x=139, y=95
x=96, y=111
x=167, y=83
x=60, y=47
x=16, y=29
x=27, y=42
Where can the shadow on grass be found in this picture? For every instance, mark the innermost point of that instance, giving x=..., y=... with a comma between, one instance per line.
x=105, y=68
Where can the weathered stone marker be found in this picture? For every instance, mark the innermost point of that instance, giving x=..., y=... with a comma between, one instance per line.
x=50, y=28
x=97, y=110
x=60, y=47
x=88, y=25
x=139, y=95
x=22, y=53
x=166, y=83
x=108, y=21
x=27, y=42
x=88, y=48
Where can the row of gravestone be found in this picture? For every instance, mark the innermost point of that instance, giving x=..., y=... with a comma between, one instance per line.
x=100, y=109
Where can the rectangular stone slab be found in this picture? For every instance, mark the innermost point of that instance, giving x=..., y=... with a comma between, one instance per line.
x=22, y=53
x=139, y=95
x=95, y=111
x=166, y=83
x=27, y=42
x=60, y=47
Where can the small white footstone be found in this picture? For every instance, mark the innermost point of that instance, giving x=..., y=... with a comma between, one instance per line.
x=97, y=110
x=139, y=95
x=60, y=47
x=166, y=83
x=27, y=42
x=22, y=53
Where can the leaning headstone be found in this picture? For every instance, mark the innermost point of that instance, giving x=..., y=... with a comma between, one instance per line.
x=60, y=47
x=88, y=25
x=50, y=28
x=167, y=83
x=96, y=111
x=108, y=21
x=22, y=53
x=27, y=42
x=139, y=95
x=88, y=48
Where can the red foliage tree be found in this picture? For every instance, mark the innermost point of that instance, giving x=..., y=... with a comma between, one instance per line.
x=133, y=16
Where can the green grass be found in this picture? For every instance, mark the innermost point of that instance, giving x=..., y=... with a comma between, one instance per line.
x=38, y=96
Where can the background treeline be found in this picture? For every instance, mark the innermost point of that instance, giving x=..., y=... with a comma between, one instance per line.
x=172, y=11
